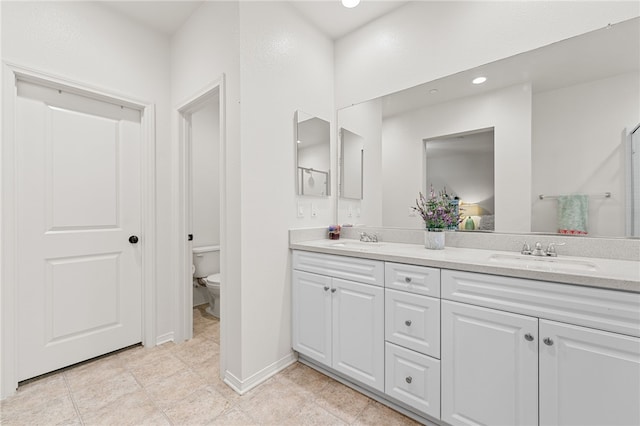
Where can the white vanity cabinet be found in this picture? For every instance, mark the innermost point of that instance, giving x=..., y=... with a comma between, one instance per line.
x=513, y=348
x=412, y=334
x=338, y=314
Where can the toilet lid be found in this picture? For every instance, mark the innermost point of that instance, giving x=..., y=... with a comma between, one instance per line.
x=213, y=279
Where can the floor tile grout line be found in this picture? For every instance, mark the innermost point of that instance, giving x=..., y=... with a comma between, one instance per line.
x=73, y=399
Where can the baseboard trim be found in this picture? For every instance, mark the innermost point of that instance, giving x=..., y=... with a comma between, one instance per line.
x=164, y=338
x=243, y=386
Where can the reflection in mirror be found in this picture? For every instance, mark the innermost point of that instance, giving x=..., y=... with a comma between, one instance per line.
x=351, y=164
x=463, y=164
x=561, y=114
x=312, y=141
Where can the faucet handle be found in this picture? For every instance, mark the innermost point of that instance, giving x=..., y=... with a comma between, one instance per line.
x=526, y=248
x=551, y=249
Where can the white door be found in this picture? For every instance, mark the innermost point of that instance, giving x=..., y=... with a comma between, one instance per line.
x=79, y=277
x=358, y=331
x=311, y=307
x=489, y=366
x=588, y=377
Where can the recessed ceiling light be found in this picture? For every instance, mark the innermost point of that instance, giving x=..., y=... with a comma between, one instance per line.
x=350, y=3
x=298, y=141
x=479, y=80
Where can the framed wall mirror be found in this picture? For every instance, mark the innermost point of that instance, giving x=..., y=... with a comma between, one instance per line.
x=313, y=160
x=351, y=164
x=561, y=116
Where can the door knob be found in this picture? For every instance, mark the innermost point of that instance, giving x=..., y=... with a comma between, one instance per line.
x=326, y=288
x=528, y=337
x=133, y=239
x=408, y=379
x=407, y=323
x=547, y=341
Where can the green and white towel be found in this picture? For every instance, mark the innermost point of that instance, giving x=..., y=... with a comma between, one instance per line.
x=573, y=214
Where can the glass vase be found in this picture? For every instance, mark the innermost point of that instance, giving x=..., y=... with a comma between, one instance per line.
x=434, y=238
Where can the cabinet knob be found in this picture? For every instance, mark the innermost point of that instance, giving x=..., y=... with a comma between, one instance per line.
x=407, y=323
x=333, y=290
x=408, y=379
x=547, y=341
x=407, y=279
x=326, y=287
x=528, y=337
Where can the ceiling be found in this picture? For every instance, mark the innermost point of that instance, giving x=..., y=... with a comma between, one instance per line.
x=329, y=16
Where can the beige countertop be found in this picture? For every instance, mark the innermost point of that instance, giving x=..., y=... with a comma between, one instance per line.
x=612, y=274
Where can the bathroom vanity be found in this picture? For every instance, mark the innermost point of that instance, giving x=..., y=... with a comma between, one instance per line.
x=467, y=336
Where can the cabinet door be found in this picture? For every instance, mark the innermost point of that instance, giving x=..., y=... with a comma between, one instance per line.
x=311, y=315
x=588, y=377
x=358, y=332
x=489, y=366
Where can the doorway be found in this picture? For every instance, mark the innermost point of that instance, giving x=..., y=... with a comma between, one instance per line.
x=200, y=215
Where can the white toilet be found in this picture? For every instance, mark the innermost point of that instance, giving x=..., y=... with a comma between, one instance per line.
x=206, y=269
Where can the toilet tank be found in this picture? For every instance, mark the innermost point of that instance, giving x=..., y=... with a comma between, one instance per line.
x=206, y=261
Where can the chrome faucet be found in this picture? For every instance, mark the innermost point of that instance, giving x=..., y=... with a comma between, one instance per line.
x=551, y=249
x=368, y=238
x=539, y=251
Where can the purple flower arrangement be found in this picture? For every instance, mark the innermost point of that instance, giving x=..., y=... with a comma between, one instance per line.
x=439, y=211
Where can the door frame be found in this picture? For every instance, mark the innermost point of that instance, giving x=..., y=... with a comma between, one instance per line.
x=183, y=213
x=11, y=74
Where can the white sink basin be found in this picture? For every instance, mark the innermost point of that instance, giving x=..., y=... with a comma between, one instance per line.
x=553, y=264
x=354, y=244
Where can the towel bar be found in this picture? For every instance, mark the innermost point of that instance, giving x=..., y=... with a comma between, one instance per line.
x=550, y=197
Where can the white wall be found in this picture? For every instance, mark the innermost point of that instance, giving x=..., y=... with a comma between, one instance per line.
x=90, y=44
x=578, y=147
x=423, y=41
x=508, y=111
x=274, y=64
x=202, y=50
x=286, y=65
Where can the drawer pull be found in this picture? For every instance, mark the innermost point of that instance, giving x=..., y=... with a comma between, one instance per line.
x=326, y=287
x=333, y=290
x=407, y=279
x=528, y=337
x=408, y=379
x=407, y=323
x=547, y=341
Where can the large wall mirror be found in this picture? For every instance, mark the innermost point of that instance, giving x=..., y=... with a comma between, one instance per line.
x=313, y=160
x=561, y=116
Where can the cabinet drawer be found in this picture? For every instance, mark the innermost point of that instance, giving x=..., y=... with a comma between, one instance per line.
x=602, y=309
x=413, y=321
x=413, y=378
x=414, y=279
x=349, y=268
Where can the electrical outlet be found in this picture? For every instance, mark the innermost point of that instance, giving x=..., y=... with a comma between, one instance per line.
x=314, y=210
x=349, y=212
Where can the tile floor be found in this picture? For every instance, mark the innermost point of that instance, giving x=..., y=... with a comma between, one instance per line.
x=179, y=385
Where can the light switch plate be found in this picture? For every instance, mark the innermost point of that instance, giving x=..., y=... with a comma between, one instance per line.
x=300, y=209
x=314, y=210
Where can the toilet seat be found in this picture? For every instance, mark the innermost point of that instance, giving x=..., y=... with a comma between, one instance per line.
x=213, y=280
